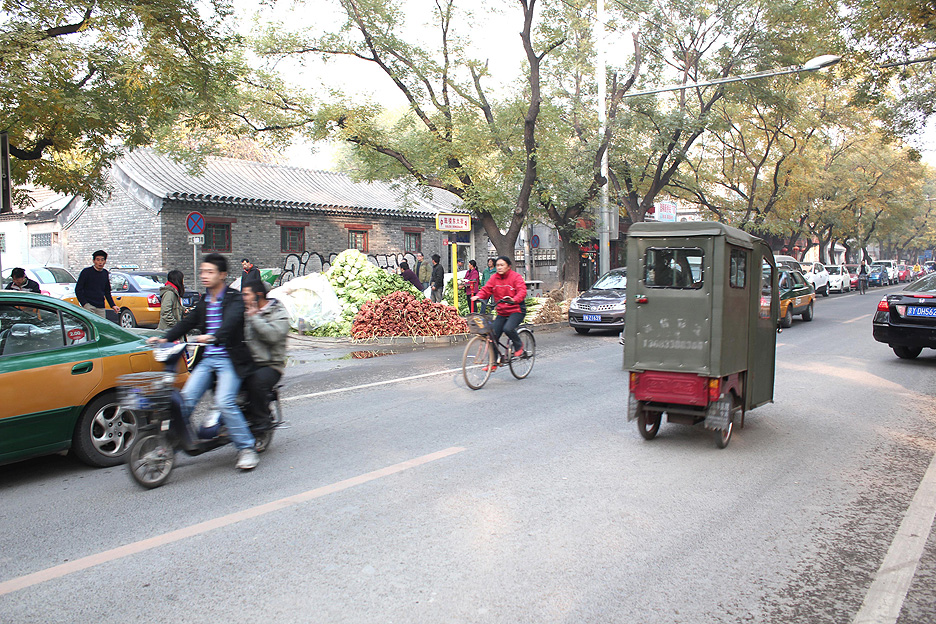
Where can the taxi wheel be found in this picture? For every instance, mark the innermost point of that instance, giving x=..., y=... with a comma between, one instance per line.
x=126, y=319
x=808, y=314
x=787, y=320
x=104, y=433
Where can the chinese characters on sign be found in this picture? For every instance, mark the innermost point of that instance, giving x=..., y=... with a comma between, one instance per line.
x=453, y=222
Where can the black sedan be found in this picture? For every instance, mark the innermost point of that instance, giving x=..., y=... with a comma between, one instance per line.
x=906, y=321
x=602, y=306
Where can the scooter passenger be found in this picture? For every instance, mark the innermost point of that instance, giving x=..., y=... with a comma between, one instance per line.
x=219, y=317
x=266, y=325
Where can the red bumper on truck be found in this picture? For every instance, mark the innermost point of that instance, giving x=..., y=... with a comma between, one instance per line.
x=679, y=388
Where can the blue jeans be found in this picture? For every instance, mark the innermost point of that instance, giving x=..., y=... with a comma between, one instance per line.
x=228, y=384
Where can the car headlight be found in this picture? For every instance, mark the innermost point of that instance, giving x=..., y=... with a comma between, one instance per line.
x=619, y=307
x=574, y=303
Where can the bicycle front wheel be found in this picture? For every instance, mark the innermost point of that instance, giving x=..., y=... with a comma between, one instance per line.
x=520, y=367
x=477, y=362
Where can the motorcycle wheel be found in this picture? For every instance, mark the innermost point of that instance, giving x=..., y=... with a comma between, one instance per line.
x=264, y=440
x=151, y=460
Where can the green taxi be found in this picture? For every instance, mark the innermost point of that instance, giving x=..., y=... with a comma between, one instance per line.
x=59, y=366
x=797, y=296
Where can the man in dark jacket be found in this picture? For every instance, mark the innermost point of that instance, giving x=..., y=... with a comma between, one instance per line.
x=19, y=281
x=437, y=281
x=93, y=287
x=251, y=272
x=219, y=317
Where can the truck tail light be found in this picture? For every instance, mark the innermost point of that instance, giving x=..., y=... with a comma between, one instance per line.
x=883, y=306
x=714, y=389
x=152, y=301
x=634, y=380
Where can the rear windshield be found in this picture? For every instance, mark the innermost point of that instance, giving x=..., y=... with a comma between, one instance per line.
x=53, y=275
x=834, y=270
x=149, y=282
x=924, y=284
x=673, y=267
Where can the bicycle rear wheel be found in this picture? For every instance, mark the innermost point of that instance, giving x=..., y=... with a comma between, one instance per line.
x=520, y=367
x=477, y=362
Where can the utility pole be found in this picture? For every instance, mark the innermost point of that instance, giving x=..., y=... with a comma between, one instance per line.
x=604, y=223
x=6, y=182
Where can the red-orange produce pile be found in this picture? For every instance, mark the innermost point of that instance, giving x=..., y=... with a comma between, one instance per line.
x=401, y=314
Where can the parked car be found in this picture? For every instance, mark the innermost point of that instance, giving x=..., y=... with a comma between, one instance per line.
x=904, y=273
x=137, y=294
x=878, y=276
x=797, y=296
x=817, y=275
x=59, y=366
x=891, y=267
x=906, y=321
x=54, y=281
x=853, y=274
x=839, y=278
x=788, y=262
x=603, y=305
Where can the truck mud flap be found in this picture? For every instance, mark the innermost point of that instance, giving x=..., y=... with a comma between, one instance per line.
x=632, y=405
x=718, y=415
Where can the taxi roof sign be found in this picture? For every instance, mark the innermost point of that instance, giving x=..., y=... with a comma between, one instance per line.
x=453, y=222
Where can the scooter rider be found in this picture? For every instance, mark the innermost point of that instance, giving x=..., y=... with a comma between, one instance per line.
x=219, y=317
x=266, y=324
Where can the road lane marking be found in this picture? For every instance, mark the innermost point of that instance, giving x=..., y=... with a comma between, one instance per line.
x=22, y=582
x=860, y=318
x=885, y=598
x=370, y=385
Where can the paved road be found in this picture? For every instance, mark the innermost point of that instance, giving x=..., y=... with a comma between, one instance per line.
x=527, y=501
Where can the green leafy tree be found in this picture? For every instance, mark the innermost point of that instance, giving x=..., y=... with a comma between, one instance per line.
x=82, y=80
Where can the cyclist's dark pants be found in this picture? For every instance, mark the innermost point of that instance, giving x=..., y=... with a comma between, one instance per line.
x=259, y=388
x=508, y=325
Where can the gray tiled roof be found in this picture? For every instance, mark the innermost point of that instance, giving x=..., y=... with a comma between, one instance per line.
x=241, y=182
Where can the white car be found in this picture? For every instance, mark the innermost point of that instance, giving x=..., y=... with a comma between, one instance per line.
x=891, y=267
x=839, y=278
x=817, y=275
x=53, y=281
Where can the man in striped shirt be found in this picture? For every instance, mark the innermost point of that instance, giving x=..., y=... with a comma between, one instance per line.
x=219, y=317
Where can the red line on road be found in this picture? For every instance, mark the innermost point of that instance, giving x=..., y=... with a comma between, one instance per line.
x=120, y=552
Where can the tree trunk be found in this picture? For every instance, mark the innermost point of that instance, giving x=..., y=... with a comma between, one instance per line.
x=569, y=265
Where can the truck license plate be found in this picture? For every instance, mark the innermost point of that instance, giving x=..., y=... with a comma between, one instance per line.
x=921, y=311
x=592, y=318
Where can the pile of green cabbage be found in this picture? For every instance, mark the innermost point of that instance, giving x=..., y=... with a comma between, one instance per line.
x=357, y=280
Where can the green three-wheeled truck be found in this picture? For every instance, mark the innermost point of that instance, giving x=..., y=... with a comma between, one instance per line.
x=701, y=329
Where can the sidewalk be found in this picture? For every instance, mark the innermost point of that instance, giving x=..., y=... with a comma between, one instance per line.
x=295, y=341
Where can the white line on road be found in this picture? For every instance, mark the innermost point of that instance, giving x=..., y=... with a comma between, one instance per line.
x=886, y=596
x=860, y=318
x=370, y=385
x=120, y=552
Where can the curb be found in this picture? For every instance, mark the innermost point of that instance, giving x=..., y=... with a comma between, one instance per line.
x=298, y=341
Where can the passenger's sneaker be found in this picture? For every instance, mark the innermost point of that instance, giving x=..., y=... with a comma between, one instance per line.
x=247, y=459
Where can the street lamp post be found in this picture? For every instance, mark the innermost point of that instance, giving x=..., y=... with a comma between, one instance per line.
x=604, y=240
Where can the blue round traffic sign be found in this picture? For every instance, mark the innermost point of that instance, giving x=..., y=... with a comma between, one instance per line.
x=534, y=241
x=195, y=223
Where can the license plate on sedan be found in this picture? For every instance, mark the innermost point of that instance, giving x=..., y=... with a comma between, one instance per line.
x=592, y=318
x=921, y=311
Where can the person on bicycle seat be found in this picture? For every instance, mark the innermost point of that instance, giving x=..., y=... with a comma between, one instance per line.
x=266, y=325
x=219, y=318
x=508, y=290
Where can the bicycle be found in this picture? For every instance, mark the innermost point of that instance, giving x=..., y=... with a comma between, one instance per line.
x=483, y=354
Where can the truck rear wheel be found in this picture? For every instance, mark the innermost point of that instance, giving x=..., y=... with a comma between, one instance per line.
x=648, y=424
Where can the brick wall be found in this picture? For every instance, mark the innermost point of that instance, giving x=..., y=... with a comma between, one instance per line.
x=126, y=228
x=255, y=234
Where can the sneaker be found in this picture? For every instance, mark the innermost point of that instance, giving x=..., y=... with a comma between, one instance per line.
x=492, y=367
x=247, y=459
x=519, y=353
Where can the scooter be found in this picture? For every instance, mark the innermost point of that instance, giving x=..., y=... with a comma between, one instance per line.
x=155, y=399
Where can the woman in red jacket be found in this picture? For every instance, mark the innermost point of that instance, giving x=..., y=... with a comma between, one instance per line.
x=508, y=287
